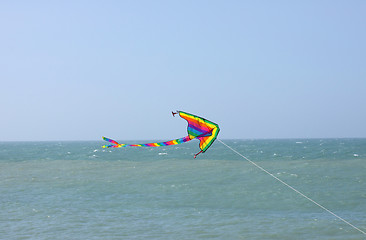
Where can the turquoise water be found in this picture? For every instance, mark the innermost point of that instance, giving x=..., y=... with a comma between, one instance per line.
x=77, y=190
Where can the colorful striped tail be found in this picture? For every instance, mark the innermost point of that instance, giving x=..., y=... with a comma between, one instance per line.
x=160, y=144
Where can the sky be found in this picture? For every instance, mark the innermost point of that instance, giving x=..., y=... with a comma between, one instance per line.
x=80, y=70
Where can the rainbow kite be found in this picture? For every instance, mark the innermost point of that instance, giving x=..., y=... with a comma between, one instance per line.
x=198, y=128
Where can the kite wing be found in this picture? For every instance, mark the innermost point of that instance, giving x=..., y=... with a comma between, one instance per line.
x=202, y=129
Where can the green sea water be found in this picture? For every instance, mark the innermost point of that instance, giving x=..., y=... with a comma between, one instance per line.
x=78, y=190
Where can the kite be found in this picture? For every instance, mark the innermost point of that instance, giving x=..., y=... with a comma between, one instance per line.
x=198, y=128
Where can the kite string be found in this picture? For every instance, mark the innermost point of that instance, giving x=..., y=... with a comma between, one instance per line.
x=292, y=188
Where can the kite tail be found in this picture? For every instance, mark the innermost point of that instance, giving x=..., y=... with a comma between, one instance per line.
x=168, y=143
x=111, y=145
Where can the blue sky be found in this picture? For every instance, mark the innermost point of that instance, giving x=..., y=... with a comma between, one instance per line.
x=77, y=70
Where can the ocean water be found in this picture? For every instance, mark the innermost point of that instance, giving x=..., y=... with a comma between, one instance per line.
x=77, y=190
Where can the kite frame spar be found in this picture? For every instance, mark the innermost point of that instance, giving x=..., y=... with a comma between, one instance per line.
x=198, y=128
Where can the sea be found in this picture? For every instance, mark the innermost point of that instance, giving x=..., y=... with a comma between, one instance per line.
x=78, y=190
